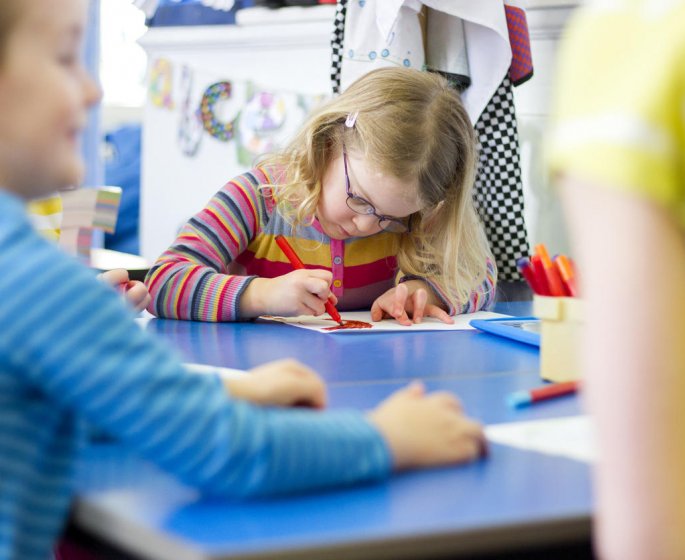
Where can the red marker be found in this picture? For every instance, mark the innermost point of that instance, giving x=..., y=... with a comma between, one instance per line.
x=519, y=399
x=526, y=269
x=540, y=276
x=298, y=265
x=554, y=283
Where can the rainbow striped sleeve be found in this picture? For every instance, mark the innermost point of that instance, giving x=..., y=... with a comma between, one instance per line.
x=483, y=297
x=191, y=279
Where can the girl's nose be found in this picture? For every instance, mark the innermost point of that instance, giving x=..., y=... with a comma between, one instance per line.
x=366, y=223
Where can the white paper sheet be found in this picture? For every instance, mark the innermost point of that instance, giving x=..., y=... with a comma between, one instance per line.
x=324, y=322
x=571, y=437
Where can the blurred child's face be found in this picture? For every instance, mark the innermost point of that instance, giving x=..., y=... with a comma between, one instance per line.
x=44, y=97
x=389, y=195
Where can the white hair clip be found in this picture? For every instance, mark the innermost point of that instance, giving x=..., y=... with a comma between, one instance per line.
x=351, y=119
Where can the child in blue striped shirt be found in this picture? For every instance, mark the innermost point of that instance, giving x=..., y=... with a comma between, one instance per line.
x=57, y=379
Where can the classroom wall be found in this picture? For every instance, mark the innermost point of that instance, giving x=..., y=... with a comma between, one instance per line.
x=546, y=21
x=287, y=51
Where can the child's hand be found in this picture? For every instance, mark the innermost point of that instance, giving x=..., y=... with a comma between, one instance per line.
x=427, y=430
x=135, y=292
x=301, y=292
x=281, y=383
x=409, y=299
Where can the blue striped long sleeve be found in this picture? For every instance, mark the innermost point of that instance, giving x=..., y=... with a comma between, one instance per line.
x=71, y=355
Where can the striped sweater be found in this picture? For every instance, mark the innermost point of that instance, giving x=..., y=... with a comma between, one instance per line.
x=72, y=356
x=232, y=240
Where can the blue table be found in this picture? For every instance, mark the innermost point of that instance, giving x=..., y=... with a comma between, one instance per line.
x=512, y=500
x=348, y=358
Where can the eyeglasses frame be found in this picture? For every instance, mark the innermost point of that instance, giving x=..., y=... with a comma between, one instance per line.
x=405, y=227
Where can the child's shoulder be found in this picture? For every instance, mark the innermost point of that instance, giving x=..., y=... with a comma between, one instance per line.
x=273, y=173
x=258, y=177
x=12, y=212
x=256, y=187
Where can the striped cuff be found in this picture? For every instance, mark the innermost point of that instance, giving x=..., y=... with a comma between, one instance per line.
x=229, y=309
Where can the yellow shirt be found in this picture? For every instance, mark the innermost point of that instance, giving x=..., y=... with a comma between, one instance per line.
x=619, y=113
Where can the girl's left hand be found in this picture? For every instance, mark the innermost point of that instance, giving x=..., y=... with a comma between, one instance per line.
x=135, y=292
x=409, y=303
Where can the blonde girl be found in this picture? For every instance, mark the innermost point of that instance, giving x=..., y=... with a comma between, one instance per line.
x=374, y=194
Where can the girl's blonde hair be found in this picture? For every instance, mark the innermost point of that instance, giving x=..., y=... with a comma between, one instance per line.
x=412, y=125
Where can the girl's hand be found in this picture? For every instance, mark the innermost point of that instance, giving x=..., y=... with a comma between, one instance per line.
x=409, y=299
x=427, y=430
x=301, y=292
x=280, y=383
x=135, y=292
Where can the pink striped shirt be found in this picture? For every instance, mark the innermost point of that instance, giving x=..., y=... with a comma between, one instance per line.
x=232, y=240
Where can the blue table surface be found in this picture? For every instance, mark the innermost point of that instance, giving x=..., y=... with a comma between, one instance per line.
x=351, y=358
x=512, y=495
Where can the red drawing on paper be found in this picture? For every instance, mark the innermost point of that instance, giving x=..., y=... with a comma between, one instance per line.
x=349, y=325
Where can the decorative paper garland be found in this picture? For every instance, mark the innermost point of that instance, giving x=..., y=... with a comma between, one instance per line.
x=161, y=82
x=190, y=126
x=263, y=115
x=259, y=120
x=216, y=92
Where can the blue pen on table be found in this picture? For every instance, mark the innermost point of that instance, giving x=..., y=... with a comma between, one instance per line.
x=520, y=399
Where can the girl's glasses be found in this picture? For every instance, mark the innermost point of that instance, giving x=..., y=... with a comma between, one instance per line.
x=362, y=206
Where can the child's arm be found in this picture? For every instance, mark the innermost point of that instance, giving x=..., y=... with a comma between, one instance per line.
x=421, y=430
x=631, y=256
x=191, y=279
x=91, y=359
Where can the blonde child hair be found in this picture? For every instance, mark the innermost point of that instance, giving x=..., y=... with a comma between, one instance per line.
x=412, y=125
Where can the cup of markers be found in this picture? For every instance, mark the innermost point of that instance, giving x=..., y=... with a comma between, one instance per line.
x=548, y=277
x=560, y=310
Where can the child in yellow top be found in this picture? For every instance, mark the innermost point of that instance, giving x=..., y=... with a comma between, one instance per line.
x=619, y=148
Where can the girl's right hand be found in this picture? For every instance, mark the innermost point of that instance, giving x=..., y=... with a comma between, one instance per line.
x=427, y=430
x=301, y=292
